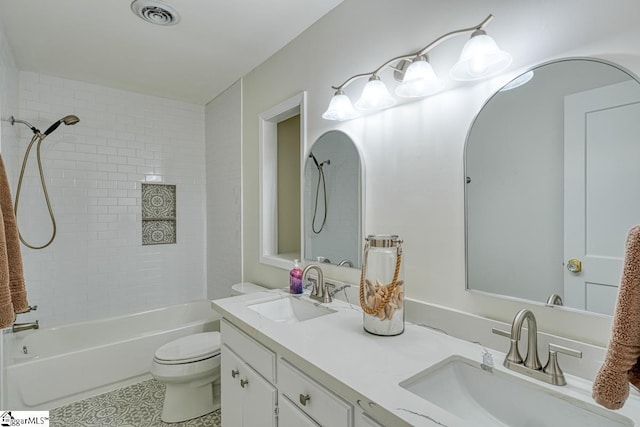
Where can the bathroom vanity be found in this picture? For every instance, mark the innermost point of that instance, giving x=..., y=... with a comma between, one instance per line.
x=288, y=361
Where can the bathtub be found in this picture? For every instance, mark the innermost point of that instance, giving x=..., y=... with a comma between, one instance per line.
x=51, y=367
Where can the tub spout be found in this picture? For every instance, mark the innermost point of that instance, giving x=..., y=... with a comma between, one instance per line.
x=19, y=327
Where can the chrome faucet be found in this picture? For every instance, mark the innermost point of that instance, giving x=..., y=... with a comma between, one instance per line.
x=19, y=327
x=554, y=299
x=532, y=360
x=319, y=291
x=551, y=372
x=346, y=263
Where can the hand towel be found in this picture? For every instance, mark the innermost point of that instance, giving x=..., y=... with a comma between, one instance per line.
x=622, y=362
x=11, y=272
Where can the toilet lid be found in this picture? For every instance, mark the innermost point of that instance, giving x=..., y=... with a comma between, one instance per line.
x=190, y=348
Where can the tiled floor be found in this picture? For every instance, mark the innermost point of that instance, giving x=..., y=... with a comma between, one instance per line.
x=138, y=405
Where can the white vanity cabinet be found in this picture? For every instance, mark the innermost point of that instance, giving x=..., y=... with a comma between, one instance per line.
x=248, y=399
x=311, y=398
x=262, y=388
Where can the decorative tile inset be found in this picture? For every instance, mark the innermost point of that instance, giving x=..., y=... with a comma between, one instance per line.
x=158, y=232
x=158, y=201
x=158, y=214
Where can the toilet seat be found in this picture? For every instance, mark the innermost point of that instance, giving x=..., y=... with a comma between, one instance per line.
x=189, y=349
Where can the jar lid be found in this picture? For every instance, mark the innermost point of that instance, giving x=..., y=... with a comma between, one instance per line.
x=383, y=240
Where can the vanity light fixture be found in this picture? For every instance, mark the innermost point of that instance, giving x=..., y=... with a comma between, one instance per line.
x=480, y=58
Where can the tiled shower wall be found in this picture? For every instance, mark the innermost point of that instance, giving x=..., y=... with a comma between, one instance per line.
x=97, y=265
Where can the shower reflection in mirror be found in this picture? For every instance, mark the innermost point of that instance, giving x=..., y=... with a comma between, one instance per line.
x=323, y=206
x=333, y=192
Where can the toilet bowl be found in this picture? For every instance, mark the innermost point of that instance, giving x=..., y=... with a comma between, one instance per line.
x=190, y=369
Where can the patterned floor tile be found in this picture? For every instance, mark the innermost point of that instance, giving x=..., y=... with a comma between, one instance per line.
x=138, y=405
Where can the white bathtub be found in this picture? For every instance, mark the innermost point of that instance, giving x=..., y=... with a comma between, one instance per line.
x=54, y=366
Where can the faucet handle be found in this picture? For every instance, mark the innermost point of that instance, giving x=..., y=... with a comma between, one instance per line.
x=564, y=350
x=552, y=368
x=501, y=332
x=513, y=356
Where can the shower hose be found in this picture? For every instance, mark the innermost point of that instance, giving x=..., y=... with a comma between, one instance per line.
x=37, y=137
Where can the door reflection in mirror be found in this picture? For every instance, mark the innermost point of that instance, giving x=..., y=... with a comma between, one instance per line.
x=549, y=167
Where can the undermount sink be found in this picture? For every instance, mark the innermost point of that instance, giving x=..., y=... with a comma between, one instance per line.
x=289, y=309
x=495, y=398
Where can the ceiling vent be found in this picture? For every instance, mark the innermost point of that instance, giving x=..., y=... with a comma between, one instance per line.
x=155, y=11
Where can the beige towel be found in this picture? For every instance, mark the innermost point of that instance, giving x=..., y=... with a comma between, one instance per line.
x=622, y=362
x=13, y=296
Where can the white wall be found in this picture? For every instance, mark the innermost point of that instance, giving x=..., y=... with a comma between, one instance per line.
x=414, y=153
x=224, y=202
x=97, y=266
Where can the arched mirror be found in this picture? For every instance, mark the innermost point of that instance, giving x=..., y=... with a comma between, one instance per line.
x=333, y=200
x=552, y=184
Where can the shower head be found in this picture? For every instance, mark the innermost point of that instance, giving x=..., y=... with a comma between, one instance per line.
x=67, y=120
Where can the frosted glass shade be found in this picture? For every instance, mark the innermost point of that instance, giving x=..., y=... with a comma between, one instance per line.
x=480, y=58
x=419, y=80
x=375, y=96
x=340, y=108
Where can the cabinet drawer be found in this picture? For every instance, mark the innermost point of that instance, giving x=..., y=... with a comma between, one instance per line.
x=322, y=405
x=254, y=354
x=290, y=416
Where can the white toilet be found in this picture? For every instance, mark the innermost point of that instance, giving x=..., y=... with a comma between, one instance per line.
x=190, y=369
x=246, y=288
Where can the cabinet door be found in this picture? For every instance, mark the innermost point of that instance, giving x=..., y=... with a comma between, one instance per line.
x=290, y=416
x=247, y=399
x=231, y=399
x=260, y=399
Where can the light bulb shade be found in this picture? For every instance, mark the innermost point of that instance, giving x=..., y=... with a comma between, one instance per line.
x=375, y=96
x=340, y=108
x=419, y=80
x=480, y=58
x=518, y=81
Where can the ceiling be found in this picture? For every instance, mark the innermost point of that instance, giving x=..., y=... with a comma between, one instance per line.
x=103, y=42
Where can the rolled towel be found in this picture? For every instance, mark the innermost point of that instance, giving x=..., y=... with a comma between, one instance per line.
x=622, y=362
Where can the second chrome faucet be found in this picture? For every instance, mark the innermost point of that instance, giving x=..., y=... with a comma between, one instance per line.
x=530, y=365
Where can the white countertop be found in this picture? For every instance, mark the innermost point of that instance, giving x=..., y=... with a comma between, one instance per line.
x=367, y=369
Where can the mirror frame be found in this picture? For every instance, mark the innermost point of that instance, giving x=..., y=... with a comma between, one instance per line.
x=362, y=193
x=619, y=67
x=268, y=148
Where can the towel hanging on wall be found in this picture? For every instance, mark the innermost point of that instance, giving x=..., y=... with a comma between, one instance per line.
x=622, y=362
x=13, y=295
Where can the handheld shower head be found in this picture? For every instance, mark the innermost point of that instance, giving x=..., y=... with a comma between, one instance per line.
x=67, y=120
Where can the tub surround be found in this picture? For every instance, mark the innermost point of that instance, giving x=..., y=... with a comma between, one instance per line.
x=366, y=370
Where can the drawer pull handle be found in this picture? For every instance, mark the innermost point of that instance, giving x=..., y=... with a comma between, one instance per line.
x=234, y=372
x=304, y=398
x=243, y=382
